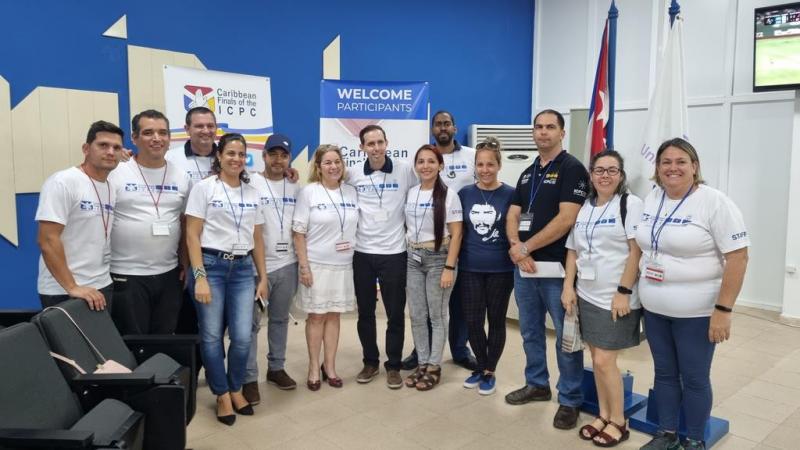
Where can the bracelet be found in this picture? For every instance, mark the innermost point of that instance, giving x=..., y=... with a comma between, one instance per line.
x=723, y=308
x=199, y=272
x=449, y=267
x=623, y=290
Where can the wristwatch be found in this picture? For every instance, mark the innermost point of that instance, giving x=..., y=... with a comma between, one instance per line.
x=524, y=250
x=623, y=290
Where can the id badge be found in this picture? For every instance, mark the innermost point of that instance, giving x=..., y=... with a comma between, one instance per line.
x=381, y=215
x=240, y=249
x=587, y=271
x=654, y=271
x=281, y=247
x=525, y=221
x=160, y=229
x=416, y=257
x=343, y=246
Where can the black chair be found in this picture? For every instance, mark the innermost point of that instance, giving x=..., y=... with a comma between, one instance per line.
x=168, y=402
x=38, y=409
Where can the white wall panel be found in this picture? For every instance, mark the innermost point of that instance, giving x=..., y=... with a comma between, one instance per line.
x=706, y=40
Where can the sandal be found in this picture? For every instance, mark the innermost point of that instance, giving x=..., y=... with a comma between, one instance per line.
x=412, y=379
x=589, y=431
x=607, y=440
x=429, y=379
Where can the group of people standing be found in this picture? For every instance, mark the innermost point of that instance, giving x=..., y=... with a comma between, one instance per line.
x=444, y=236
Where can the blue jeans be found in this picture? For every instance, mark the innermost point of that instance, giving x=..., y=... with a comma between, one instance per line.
x=427, y=301
x=282, y=284
x=535, y=297
x=233, y=289
x=682, y=357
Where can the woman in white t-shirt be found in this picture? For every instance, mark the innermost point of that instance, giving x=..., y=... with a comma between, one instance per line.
x=694, y=256
x=324, y=226
x=433, y=230
x=603, y=256
x=224, y=239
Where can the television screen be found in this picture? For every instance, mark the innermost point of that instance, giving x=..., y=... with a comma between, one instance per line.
x=776, y=62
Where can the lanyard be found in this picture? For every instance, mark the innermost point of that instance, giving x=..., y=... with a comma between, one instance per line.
x=590, y=237
x=241, y=207
x=343, y=216
x=383, y=186
x=147, y=185
x=105, y=217
x=418, y=227
x=278, y=213
x=655, y=236
x=539, y=184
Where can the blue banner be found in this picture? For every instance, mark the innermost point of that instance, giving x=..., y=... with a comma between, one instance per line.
x=373, y=100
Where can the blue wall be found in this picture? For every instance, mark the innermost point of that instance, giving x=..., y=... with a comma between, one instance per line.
x=476, y=55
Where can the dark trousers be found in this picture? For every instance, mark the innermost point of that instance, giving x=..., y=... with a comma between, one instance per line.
x=187, y=321
x=457, y=327
x=147, y=304
x=390, y=270
x=53, y=300
x=486, y=295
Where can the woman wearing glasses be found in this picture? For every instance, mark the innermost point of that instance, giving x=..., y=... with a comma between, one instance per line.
x=604, y=257
x=324, y=226
x=485, y=270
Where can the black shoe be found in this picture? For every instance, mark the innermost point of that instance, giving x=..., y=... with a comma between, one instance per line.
x=566, y=417
x=227, y=420
x=246, y=410
x=529, y=394
x=410, y=362
x=469, y=363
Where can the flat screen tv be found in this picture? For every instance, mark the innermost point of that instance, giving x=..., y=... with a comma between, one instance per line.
x=776, y=48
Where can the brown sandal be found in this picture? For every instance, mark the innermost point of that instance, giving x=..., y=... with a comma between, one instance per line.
x=607, y=440
x=414, y=377
x=429, y=379
x=588, y=431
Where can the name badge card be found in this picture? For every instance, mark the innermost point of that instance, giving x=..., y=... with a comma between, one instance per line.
x=416, y=257
x=160, y=229
x=343, y=246
x=587, y=271
x=525, y=221
x=281, y=247
x=381, y=215
x=654, y=271
x=240, y=249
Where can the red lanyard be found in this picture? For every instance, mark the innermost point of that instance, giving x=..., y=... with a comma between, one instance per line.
x=105, y=217
x=161, y=188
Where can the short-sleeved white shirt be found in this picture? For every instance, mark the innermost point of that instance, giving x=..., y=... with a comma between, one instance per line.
x=690, y=250
x=609, y=253
x=221, y=207
x=135, y=249
x=319, y=214
x=461, y=164
x=278, y=200
x=381, y=201
x=68, y=197
x=195, y=167
x=419, y=213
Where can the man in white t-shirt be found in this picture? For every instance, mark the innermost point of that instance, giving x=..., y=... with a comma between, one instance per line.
x=151, y=194
x=459, y=171
x=278, y=199
x=380, y=253
x=75, y=215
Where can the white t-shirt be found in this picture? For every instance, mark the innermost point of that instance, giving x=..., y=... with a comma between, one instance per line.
x=319, y=214
x=459, y=168
x=278, y=199
x=381, y=200
x=690, y=250
x=603, y=226
x=419, y=214
x=138, y=246
x=221, y=207
x=195, y=167
x=70, y=197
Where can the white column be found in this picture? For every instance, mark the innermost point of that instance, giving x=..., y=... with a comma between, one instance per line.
x=791, y=281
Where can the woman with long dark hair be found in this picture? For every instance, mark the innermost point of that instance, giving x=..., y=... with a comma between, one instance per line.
x=433, y=224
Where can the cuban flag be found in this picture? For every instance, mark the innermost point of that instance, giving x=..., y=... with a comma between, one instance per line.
x=600, y=131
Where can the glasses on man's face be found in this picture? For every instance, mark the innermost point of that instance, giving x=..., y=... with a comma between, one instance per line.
x=612, y=171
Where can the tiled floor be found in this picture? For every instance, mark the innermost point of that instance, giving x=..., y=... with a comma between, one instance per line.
x=756, y=377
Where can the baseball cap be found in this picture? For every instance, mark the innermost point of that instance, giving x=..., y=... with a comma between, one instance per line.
x=279, y=141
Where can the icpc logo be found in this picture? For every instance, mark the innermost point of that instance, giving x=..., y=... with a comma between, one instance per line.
x=194, y=96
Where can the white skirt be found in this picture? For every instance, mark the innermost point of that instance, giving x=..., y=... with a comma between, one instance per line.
x=332, y=289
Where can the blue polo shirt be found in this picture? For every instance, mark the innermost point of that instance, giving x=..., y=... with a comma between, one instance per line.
x=484, y=246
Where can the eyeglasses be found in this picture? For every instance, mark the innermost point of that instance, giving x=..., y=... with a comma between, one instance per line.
x=491, y=144
x=612, y=171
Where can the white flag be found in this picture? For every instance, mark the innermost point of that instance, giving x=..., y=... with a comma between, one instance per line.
x=668, y=116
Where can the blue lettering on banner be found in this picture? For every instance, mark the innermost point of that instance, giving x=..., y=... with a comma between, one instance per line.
x=372, y=100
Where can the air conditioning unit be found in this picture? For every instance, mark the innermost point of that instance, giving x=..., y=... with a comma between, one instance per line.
x=519, y=149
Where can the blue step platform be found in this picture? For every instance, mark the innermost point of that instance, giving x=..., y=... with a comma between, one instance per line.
x=633, y=401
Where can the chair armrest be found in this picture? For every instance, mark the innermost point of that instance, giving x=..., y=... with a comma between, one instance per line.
x=120, y=380
x=180, y=347
x=32, y=438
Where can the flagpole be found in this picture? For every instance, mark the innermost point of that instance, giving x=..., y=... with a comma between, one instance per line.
x=613, y=13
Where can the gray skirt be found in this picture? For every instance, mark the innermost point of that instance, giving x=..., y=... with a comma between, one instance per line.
x=598, y=330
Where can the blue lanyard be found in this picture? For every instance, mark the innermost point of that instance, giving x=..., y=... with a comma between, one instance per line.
x=383, y=186
x=655, y=236
x=280, y=213
x=343, y=216
x=241, y=207
x=425, y=210
x=539, y=184
x=590, y=237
